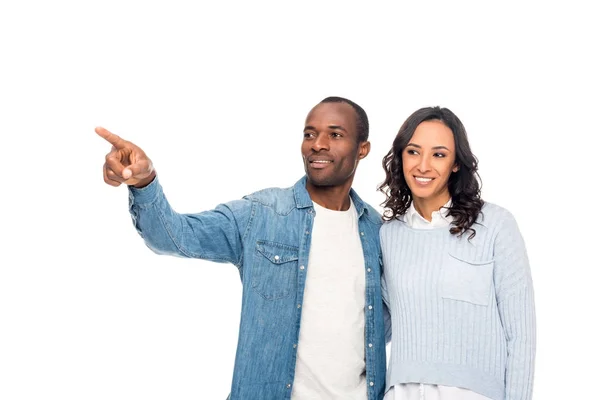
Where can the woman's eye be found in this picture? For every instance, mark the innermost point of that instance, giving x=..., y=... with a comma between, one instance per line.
x=439, y=155
x=411, y=152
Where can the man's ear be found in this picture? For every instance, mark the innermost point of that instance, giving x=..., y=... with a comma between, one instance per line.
x=363, y=149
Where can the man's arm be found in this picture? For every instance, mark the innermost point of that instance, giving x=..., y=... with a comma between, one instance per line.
x=213, y=235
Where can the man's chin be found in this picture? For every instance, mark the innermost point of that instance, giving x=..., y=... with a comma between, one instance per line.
x=322, y=181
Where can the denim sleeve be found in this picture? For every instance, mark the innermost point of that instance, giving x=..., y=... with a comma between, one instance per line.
x=214, y=235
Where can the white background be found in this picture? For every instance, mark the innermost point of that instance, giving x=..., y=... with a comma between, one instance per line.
x=216, y=93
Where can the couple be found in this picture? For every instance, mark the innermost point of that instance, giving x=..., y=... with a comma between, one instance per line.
x=327, y=281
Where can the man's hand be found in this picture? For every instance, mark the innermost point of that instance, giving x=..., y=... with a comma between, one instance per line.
x=126, y=163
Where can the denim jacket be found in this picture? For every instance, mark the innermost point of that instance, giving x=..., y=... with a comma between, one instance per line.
x=267, y=236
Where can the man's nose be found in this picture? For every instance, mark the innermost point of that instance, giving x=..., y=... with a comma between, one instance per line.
x=321, y=142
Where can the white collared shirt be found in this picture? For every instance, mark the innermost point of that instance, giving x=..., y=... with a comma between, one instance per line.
x=421, y=391
x=439, y=218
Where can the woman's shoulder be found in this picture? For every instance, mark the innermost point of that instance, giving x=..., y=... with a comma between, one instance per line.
x=394, y=222
x=392, y=225
x=492, y=215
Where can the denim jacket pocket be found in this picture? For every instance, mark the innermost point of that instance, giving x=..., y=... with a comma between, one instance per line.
x=274, y=269
x=467, y=281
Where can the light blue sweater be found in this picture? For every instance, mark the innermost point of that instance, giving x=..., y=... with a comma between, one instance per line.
x=462, y=311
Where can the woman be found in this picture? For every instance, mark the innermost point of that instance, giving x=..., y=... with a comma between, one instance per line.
x=457, y=278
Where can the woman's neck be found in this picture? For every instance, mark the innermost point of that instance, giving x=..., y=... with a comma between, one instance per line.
x=427, y=206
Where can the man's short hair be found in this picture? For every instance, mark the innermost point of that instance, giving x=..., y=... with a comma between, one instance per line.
x=362, y=122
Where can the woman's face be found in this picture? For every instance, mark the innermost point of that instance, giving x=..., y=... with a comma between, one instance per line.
x=428, y=160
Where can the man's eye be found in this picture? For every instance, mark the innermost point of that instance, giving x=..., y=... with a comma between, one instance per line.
x=308, y=135
x=335, y=134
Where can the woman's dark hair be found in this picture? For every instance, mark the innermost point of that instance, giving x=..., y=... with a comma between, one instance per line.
x=463, y=185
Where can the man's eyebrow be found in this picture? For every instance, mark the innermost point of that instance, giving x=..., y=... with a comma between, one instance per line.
x=307, y=127
x=337, y=127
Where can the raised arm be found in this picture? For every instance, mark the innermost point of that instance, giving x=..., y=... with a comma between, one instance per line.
x=214, y=235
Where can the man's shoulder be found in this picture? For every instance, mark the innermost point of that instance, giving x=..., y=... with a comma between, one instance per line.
x=278, y=198
x=373, y=214
x=369, y=211
x=270, y=193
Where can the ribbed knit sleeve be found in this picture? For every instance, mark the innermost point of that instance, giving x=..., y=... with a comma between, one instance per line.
x=515, y=297
x=387, y=318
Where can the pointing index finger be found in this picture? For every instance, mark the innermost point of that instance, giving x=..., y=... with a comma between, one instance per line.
x=110, y=137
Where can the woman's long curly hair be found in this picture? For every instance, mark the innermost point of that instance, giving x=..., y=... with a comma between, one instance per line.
x=463, y=185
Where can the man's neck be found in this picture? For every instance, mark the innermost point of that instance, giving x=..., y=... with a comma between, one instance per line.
x=335, y=198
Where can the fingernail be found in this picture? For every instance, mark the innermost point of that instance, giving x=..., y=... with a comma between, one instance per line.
x=126, y=173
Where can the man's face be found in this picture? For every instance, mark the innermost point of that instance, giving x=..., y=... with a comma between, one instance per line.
x=330, y=149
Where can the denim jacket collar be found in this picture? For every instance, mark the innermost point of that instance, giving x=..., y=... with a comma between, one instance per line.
x=303, y=199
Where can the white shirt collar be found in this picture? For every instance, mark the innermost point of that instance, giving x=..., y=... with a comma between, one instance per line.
x=439, y=219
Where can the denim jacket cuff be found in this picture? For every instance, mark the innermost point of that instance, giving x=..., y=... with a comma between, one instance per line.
x=146, y=195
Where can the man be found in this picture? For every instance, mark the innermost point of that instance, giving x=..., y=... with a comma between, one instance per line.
x=312, y=324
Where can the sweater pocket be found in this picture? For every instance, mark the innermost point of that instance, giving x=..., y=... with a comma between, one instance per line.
x=468, y=281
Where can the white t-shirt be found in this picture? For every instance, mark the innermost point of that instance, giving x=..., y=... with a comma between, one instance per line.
x=330, y=362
